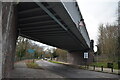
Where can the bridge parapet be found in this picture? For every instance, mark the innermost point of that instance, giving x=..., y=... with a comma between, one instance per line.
x=74, y=12
x=84, y=33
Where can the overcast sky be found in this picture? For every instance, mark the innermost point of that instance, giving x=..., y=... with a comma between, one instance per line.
x=96, y=12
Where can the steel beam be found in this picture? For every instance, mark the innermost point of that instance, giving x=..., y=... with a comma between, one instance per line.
x=29, y=11
x=51, y=35
x=62, y=45
x=34, y=17
x=42, y=33
x=39, y=27
x=51, y=15
x=37, y=13
x=44, y=22
x=44, y=30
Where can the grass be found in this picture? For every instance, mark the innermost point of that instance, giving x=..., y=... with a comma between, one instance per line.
x=55, y=62
x=104, y=64
x=82, y=67
x=33, y=65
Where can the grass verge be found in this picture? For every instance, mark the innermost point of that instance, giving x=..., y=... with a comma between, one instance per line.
x=55, y=62
x=33, y=65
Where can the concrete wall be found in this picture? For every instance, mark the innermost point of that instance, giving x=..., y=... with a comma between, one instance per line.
x=0, y=40
x=75, y=58
x=90, y=57
x=9, y=37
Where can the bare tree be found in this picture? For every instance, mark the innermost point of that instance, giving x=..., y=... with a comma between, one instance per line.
x=108, y=41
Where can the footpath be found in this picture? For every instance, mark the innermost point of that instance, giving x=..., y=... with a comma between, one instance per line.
x=21, y=71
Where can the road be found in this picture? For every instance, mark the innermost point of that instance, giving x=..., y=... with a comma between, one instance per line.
x=69, y=72
x=22, y=72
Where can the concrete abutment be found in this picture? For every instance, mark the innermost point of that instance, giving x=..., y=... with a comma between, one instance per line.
x=9, y=37
x=77, y=58
x=0, y=40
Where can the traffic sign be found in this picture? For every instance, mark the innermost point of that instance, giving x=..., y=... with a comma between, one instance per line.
x=30, y=51
x=85, y=54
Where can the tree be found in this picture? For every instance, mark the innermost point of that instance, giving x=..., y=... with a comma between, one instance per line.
x=54, y=54
x=23, y=44
x=21, y=47
x=108, y=41
x=62, y=55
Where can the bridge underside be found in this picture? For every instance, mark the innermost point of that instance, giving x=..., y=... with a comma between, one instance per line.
x=49, y=23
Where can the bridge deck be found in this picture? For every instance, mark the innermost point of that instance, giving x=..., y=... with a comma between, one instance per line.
x=51, y=24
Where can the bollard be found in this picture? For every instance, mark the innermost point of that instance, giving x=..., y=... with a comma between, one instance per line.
x=87, y=66
x=101, y=68
x=111, y=69
x=93, y=67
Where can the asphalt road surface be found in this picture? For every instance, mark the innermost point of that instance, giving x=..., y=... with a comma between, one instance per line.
x=69, y=72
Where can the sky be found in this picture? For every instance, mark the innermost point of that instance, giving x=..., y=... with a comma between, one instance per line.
x=96, y=12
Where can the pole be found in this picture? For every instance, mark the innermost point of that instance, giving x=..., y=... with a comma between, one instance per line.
x=101, y=68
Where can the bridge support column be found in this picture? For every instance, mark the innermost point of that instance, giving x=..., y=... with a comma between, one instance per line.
x=9, y=37
x=76, y=58
x=0, y=40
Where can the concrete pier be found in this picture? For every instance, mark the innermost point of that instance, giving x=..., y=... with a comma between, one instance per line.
x=0, y=40
x=9, y=37
x=75, y=58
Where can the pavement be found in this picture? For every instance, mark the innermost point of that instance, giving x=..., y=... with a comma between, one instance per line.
x=69, y=72
x=21, y=71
